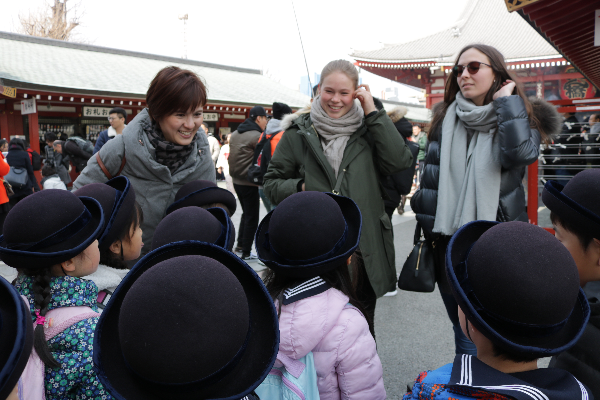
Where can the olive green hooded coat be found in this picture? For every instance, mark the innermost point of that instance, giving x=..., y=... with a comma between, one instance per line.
x=375, y=149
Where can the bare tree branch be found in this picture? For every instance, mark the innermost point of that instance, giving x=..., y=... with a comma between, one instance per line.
x=51, y=21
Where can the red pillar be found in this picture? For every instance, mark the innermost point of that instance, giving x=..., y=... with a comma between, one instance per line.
x=4, y=125
x=34, y=139
x=428, y=102
x=532, y=193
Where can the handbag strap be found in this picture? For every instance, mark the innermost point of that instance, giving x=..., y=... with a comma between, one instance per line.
x=338, y=182
x=105, y=170
x=417, y=234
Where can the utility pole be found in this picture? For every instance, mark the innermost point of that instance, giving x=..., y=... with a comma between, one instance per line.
x=184, y=18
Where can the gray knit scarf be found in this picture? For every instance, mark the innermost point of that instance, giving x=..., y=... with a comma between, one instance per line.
x=334, y=133
x=469, y=185
x=169, y=154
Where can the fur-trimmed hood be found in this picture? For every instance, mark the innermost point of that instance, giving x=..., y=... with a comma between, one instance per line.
x=397, y=113
x=289, y=119
x=550, y=121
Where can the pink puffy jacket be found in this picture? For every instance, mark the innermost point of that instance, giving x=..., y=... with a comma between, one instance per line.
x=344, y=351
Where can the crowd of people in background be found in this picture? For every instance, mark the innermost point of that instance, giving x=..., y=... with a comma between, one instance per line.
x=134, y=289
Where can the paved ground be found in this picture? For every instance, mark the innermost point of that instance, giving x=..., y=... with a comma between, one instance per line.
x=412, y=329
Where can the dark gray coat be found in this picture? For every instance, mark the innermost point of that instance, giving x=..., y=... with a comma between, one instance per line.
x=155, y=187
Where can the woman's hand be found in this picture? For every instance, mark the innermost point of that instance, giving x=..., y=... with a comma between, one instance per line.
x=363, y=94
x=506, y=90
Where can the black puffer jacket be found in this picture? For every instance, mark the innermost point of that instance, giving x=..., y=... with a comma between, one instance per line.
x=520, y=146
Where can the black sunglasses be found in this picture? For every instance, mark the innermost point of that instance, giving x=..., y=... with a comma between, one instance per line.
x=472, y=67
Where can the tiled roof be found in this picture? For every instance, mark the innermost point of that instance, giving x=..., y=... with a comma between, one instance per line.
x=53, y=65
x=482, y=21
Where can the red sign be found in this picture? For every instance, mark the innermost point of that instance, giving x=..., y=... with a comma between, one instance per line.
x=571, y=89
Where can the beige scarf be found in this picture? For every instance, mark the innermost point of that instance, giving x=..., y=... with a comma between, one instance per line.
x=334, y=133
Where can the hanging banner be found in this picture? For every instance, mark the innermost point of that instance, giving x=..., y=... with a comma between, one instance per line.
x=8, y=91
x=28, y=106
x=513, y=5
x=576, y=88
x=212, y=117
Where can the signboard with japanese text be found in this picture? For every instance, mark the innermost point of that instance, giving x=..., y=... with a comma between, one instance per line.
x=571, y=89
x=96, y=111
x=28, y=106
x=211, y=117
x=8, y=91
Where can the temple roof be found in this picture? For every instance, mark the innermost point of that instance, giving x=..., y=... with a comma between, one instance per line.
x=52, y=65
x=482, y=21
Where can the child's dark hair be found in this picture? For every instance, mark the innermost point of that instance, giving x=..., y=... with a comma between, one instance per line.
x=584, y=238
x=107, y=257
x=511, y=355
x=48, y=170
x=338, y=278
x=42, y=296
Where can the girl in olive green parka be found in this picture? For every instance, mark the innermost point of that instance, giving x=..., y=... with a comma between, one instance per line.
x=373, y=149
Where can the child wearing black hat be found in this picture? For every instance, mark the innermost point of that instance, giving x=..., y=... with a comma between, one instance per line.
x=51, y=260
x=575, y=214
x=16, y=332
x=205, y=194
x=519, y=300
x=307, y=242
x=190, y=321
x=121, y=239
x=195, y=223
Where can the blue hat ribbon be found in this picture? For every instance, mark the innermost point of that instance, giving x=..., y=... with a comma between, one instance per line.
x=60, y=236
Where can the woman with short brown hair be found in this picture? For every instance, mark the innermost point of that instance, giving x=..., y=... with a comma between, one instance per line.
x=160, y=150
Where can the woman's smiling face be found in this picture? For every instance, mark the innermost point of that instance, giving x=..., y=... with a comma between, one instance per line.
x=337, y=94
x=181, y=127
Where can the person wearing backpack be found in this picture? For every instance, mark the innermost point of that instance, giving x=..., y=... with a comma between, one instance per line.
x=20, y=164
x=79, y=150
x=51, y=260
x=35, y=158
x=190, y=321
x=269, y=139
x=242, y=144
x=307, y=242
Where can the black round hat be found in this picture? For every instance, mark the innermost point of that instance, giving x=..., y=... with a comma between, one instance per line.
x=16, y=337
x=195, y=223
x=518, y=285
x=578, y=201
x=118, y=202
x=49, y=227
x=200, y=193
x=309, y=233
x=281, y=109
x=190, y=321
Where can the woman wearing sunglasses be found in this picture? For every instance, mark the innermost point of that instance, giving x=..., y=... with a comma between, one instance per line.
x=482, y=137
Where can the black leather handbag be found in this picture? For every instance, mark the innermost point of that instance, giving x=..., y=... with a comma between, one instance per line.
x=418, y=272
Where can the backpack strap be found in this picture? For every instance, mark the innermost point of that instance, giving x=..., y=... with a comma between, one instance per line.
x=105, y=170
x=31, y=383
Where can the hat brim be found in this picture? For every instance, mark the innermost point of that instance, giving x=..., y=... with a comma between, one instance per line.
x=536, y=345
x=568, y=209
x=119, y=215
x=259, y=356
x=209, y=195
x=16, y=337
x=227, y=241
x=353, y=218
x=57, y=253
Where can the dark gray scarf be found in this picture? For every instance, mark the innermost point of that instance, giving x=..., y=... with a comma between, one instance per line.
x=167, y=153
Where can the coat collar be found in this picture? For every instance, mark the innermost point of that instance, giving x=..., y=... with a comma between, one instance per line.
x=539, y=384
